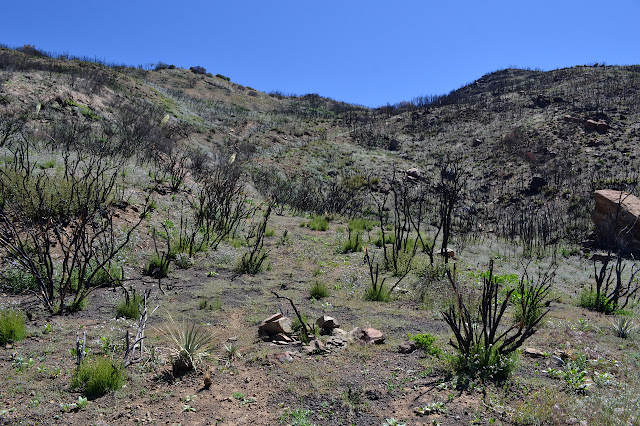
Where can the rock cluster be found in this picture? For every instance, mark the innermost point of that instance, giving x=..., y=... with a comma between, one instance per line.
x=277, y=329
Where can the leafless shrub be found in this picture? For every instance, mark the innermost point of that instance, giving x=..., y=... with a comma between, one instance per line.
x=483, y=342
x=59, y=227
x=220, y=205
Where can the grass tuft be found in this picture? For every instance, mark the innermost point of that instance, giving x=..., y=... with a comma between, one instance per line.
x=98, y=375
x=12, y=326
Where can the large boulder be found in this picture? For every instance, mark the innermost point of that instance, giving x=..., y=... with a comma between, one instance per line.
x=616, y=217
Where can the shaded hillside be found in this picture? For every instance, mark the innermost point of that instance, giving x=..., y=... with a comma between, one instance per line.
x=523, y=136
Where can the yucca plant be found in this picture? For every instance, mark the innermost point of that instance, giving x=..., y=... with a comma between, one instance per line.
x=190, y=342
x=623, y=326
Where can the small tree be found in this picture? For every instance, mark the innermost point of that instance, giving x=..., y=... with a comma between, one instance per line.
x=483, y=344
x=450, y=190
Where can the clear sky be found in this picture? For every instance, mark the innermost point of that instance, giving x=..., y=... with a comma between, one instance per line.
x=366, y=52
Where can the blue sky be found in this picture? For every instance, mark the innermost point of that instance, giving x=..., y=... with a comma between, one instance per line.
x=365, y=52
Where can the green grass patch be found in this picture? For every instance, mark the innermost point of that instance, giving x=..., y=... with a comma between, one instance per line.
x=12, y=326
x=129, y=307
x=590, y=300
x=318, y=223
x=98, y=375
x=319, y=290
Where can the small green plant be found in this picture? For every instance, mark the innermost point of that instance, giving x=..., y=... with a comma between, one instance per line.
x=353, y=243
x=18, y=281
x=21, y=364
x=623, y=326
x=425, y=342
x=98, y=375
x=183, y=261
x=360, y=224
x=190, y=343
x=393, y=422
x=157, y=267
x=80, y=404
x=354, y=398
x=433, y=408
x=12, y=326
x=129, y=307
x=319, y=290
x=232, y=352
x=318, y=223
x=296, y=417
x=590, y=300
x=216, y=305
x=574, y=375
x=484, y=348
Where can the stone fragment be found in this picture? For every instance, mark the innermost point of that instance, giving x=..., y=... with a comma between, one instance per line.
x=326, y=324
x=407, y=347
x=366, y=336
x=533, y=353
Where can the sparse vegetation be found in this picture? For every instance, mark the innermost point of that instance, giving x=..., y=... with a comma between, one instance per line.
x=110, y=176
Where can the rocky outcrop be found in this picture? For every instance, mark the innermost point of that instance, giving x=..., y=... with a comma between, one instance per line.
x=600, y=125
x=616, y=217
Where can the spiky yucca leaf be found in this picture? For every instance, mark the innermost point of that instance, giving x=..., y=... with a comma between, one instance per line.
x=623, y=326
x=190, y=344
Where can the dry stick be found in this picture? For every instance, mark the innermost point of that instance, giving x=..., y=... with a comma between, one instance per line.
x=80, y=347
x=140, y=335
x=304, y=325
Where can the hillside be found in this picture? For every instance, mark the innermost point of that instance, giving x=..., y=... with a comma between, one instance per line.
x=209, y=203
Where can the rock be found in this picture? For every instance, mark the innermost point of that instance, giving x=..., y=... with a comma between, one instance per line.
x=315, y=346
x=571, y=118
x=326, y=324
x=414, y=173
x=394, y=144
x=274, y=325
x=366, y=336
x=541, y=101
x=336, y=342
x=450, y=253
x=602, y=257
x=339, y=332
x=284, y=357
x=591, y=125
x=533, y=353
x=407, y=347
x=476, y=143
x=603, y=126
x=616, y=217
x=283, y=338
x=272, y=318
